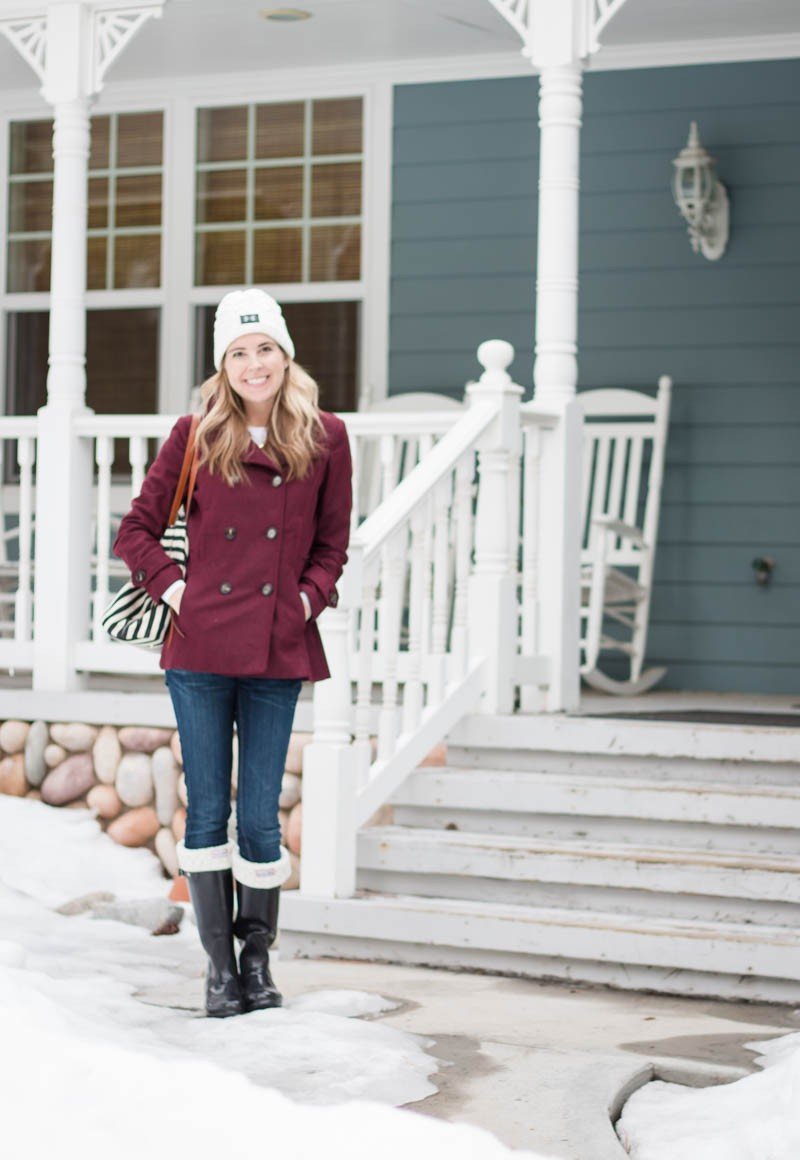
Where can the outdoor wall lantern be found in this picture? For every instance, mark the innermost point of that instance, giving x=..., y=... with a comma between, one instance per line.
x=701, y=197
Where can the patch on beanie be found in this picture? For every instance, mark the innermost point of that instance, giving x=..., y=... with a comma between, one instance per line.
x=249, y=318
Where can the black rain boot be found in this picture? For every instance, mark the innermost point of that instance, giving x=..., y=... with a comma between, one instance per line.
x=211, y=892
x=257, y=926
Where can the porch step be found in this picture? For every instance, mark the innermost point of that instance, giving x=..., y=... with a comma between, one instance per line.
x=571, y=804
x=686, y=956
x=616, y=877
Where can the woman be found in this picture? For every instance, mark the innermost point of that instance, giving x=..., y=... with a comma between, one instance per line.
x=268, y=532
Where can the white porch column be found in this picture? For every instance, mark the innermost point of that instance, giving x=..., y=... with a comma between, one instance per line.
x=556, y=376
x=70, y=44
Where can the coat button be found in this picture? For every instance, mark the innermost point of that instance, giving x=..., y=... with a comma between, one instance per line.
x=266, y=590
x=271, y=533
x=138, y=577
x=230, y=533
x=225, y=588
x=276, y=481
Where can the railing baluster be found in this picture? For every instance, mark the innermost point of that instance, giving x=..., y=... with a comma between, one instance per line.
x=104, y=457
x=530, y=696
x=463, y=553
x=137, y=454
x=365, y=655
x=412, y=691
x=441, y=578
x=389, y=638
x=23, y=626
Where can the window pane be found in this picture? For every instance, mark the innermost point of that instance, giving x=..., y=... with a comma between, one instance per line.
x=325, y=335
x=335, y=253
x=31, y=147
x=137, y=261
x=222, y=134
x=277, y=255
x=220, y=258
x=280, y=130
x=222, y=196
x=29, y=265
x=138, y=201
x=279, y=193
x=99, y=152
x=121, y=361
x=337, y=126
x=336, y=190
x=96, y=250
x=98, y=203
x=30, y=207
x=139, y=139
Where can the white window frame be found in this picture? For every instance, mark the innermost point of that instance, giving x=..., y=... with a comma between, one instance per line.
x=177, y=296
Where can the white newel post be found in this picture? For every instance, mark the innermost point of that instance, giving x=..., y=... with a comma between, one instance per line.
x=492, y=590
x=330, y=771
x=69, y=44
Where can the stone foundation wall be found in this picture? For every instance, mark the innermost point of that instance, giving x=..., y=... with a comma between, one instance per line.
x=131, y=777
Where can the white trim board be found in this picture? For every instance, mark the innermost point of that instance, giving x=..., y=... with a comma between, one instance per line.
x=342, y=79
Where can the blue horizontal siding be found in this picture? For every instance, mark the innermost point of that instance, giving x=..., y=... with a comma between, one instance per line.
x=463, y=269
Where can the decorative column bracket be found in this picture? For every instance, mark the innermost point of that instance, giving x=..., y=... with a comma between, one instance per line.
x=536, y=22
x=111, y=27
x=29, y=38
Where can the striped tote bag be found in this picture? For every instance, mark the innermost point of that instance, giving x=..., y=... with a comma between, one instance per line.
x=132, y=615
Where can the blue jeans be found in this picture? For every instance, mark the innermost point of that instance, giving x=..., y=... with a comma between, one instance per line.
x=206, y=707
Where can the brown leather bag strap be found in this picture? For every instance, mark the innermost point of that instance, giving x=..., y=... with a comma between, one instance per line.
x=188, y=471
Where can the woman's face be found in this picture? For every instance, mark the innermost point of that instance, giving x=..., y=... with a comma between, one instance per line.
x=255, y=366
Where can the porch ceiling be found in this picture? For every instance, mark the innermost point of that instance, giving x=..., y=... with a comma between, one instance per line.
x=203, y=36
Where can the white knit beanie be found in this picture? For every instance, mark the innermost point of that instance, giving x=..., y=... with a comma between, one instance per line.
x=250, y=311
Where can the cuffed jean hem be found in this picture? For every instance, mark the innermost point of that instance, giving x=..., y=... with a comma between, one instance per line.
x=261, y=875
x=205, y=858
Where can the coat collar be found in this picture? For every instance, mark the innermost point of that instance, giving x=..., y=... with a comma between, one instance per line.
x=258, y=458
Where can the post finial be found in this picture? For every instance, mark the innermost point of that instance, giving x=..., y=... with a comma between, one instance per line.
x=495, y=356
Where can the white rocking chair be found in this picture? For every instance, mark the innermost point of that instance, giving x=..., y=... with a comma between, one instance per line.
x=621, y=494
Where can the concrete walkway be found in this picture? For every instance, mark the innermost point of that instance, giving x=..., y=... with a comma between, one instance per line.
x=540, y=1065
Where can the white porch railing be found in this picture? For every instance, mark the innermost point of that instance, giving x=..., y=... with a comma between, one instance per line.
x=17, y=502
x=442, y=611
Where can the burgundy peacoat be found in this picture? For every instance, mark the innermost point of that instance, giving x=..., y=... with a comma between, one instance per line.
x=253, y=548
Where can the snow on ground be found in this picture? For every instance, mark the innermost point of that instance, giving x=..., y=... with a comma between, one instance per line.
x=754, y=1118
x=84, y=1060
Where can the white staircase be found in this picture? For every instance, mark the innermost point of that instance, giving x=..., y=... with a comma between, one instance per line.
x=636, y=854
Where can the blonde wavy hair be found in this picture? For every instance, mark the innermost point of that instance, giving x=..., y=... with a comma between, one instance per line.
x=294, y=435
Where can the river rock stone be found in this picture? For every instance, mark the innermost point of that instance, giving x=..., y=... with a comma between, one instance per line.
x=54, y=755
x=35, y=795
x=165, y=848
x=294, y=829
x=165, y=779
x=107, y=753
x=13, y=735
x=75, y=737
x=437, y=755
x=291, y=789
x=35, y=745
x=175, y=746
x=179, y=823
x=69, y=781
x=85, y=903
x=135, y=779
x=151, y=913
x=143, y=739
x=135, y=827
x=105, y=801
x=12, y=776
x=182, y=795
x=294, y=755
x=293, y=881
